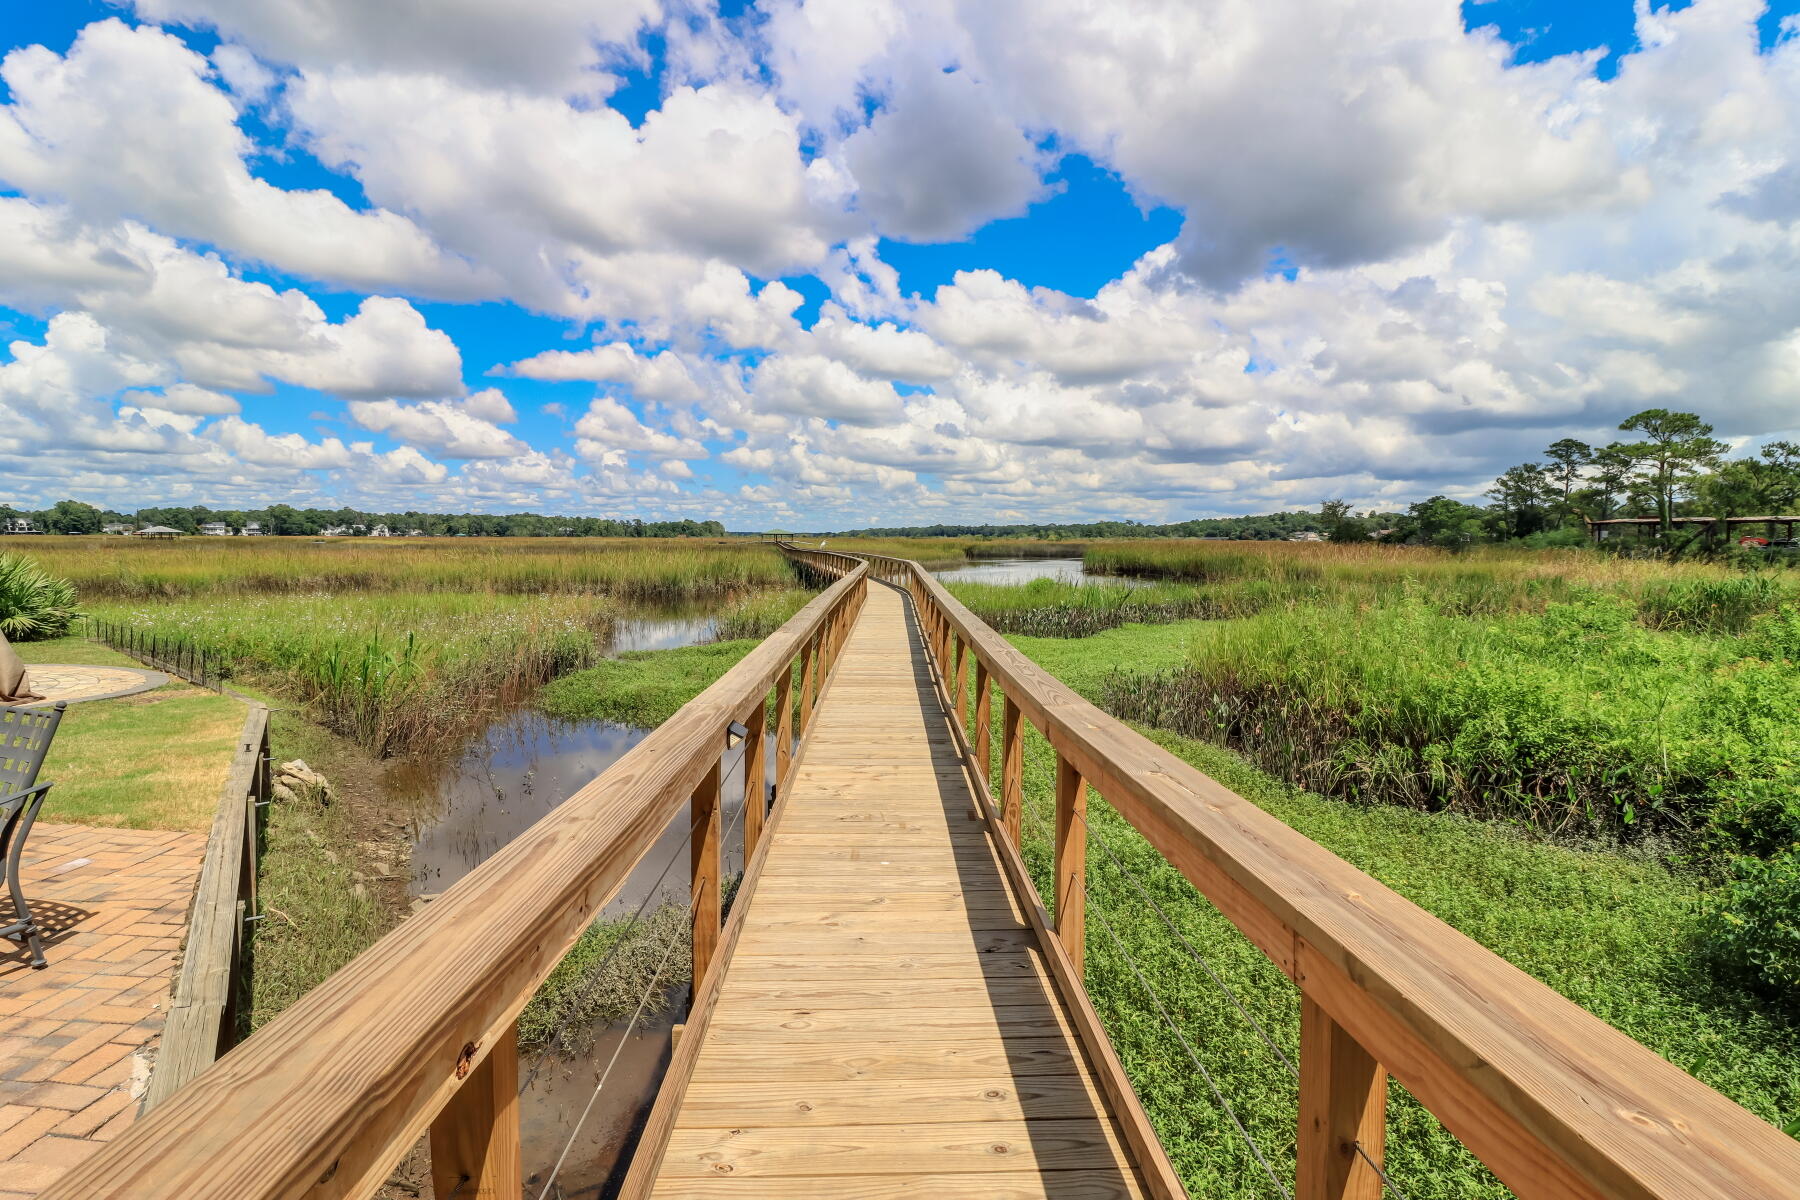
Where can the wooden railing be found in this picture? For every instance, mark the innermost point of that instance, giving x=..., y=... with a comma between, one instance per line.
x=203, y=1016
x=1556, y=1102
x=418, y=1032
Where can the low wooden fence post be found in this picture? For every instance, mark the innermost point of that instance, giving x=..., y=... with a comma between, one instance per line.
x=475, y=1138
x=1071, y=860
x=1343, y=1102
x=705, y=857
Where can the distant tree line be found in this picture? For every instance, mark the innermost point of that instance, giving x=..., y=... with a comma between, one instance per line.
x=1266, y=527
x=1674, y=467
x=75, y=516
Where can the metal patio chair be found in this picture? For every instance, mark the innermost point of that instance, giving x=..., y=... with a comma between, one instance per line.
x=17, y=812
x=25, y=736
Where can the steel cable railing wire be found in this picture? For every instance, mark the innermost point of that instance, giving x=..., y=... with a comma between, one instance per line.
x=558, y=1045
x=596, y=978
x=1193, y=1055
x=624, y=1036
x=1137, y=885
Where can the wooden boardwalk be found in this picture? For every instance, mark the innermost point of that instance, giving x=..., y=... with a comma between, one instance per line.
x=886, y=1026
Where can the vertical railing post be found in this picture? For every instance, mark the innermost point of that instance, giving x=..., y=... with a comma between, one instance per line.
x=1012, y=770
x=961, y=705
x=706, y=863
x=756, y=768
x=1071, y=861
x=984, y=733
x=784, y=726
x=475, y=1138
x=1343, y=1102
x=808, y=668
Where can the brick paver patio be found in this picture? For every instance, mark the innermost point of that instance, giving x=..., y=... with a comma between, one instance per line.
x=76, y=1038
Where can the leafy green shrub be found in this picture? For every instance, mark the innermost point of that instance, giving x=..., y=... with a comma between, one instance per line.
x=1751, y=923
x=34, y=604
x=1577, y=718
x=1703, y=605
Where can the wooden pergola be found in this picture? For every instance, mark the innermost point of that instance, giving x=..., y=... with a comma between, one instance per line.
x=1716, y=528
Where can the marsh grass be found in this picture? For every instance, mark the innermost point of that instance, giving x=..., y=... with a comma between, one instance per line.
x=1247, y=577
x=604, y=977
x=648, y=569
x=1056, y=608
x=758, y=614
x=1577, y=719
x=391, y=670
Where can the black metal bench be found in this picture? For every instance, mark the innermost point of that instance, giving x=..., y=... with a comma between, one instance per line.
x=25, y=736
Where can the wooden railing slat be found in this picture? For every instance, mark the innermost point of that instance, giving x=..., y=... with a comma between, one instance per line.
x=1343, y=1103
x=705, y=860
x=475, y=1140
x=1071, y=861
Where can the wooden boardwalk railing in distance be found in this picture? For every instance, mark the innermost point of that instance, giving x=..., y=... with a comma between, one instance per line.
x=324, y=1100
x=1555, y=1101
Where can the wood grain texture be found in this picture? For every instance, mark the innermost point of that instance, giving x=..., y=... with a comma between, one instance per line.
x=475, y=1140
x=1343, y=1104
x=886, y=1008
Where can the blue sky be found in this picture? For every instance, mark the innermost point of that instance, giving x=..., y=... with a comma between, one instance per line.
x=825, y=265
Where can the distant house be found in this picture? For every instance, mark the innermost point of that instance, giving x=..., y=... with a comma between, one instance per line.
x=253, y=529
x=157, y=531
x=565, y=530
x=415, y=533
x=1307, y=536
x=380, y=531
x=20, y=525
x=115, y=527
x=215, y=529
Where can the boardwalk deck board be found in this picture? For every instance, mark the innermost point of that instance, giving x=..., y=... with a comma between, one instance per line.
x=887, y=1025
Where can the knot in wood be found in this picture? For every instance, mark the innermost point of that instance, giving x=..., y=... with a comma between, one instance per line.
x=466, y=1059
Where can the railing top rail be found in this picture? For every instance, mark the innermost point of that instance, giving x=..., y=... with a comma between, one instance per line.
x=323, y=1100
x=1571, y=1105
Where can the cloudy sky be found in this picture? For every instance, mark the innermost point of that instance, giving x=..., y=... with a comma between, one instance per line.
x=826, y=263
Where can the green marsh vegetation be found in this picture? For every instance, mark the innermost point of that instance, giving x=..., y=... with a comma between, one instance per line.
x=1636, y=702
x=393, y=671
x=640, y=569
x=1614, y=928
x=406, y=645
x=1056, y=608
x=642, y=687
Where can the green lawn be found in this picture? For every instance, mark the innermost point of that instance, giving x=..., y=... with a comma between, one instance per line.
x=155, y=760
x=1614, y=934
